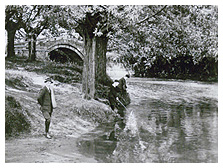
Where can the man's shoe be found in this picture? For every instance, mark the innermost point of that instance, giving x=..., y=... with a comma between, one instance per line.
x=48, y=136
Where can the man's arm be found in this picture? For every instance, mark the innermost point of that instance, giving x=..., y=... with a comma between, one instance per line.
x=40, y=97
x=123, y=82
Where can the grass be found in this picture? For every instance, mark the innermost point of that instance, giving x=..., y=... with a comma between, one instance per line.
x=16, y=82
x=63, y=72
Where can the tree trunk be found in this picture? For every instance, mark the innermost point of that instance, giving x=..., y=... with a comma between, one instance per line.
x=88, y=79
x=94, y=70
x=10, y=43
x=101, y=49
x=95, y=48
x=32, y=47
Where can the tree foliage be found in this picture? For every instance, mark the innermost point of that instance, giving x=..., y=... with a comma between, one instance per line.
x=36, y=19
x=32, y=20
x=94, y=25
x=171, y=41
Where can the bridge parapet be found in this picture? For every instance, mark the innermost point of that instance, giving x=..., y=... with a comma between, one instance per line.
x=62, y=40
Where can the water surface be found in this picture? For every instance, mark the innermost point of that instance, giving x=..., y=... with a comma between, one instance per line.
x=167, y=121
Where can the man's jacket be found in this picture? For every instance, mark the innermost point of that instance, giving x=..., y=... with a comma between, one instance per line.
x=122, y=85
x=44, y=99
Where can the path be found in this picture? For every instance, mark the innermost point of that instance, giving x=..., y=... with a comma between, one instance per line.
x=41, y=150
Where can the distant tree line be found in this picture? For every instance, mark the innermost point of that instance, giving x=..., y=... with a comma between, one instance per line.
x=181, y=67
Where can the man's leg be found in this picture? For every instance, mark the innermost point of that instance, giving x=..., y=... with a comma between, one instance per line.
x=47, y=117
x=47, y=127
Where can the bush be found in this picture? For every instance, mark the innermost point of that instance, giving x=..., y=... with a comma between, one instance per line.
x=16, y=121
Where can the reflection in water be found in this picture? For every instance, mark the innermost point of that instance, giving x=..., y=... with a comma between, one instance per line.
x=97, y=143
x=175, y=122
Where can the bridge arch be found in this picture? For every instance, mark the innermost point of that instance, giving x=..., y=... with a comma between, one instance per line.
x=67, y=46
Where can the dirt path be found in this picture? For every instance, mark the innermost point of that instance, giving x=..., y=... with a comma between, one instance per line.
x=42, y=150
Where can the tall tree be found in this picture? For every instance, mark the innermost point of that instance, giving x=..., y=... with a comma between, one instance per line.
x=96, y=24
x=37, y=18
x=91, y=22
x=134, y=33
x=95, y=45
x=13, y=20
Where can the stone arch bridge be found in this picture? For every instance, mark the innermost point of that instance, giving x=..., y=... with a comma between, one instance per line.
x=45, y=48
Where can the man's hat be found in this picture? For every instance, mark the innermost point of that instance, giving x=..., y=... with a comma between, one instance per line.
x=127, y=75
x=115, y=83
x=48, y=80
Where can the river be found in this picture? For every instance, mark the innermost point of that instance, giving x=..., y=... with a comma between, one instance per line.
x=168, y=121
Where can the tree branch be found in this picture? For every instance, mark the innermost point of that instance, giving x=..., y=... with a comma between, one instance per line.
x=147, y=18
x=30, y=14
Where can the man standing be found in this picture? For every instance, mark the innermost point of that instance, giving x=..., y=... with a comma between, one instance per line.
x=47, y=101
